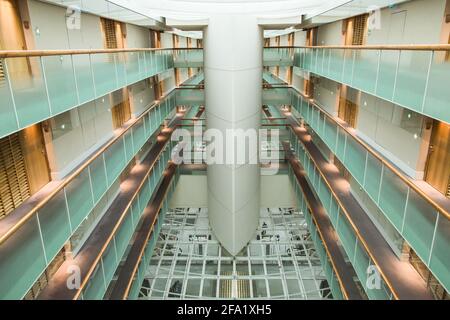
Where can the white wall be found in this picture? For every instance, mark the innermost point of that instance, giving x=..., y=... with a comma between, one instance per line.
x=277, y=191
x=330, y=34
x=137, y=37
x=422, y=23
x=191, y=191
x=141, y=96
x=168, y=80
x=300, y=38
x=327, y=94
x=284, y=40
x=77, y=133
x=382, y=124
x=166, y=40
x=53, y=33
x=396, y=132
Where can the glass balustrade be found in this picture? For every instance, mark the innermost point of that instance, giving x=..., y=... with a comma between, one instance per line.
x=98, y=282
x=278, y=57
x=190, y=97
x=302, y=205
x=414, y=79
x=352, y=245
x=188, y=58
x=421, y=224
x=35, y=88
x=32, y=247
x=150, y=246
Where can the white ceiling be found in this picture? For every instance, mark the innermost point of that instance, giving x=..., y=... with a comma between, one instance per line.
x=202, y=9
x=276, y=16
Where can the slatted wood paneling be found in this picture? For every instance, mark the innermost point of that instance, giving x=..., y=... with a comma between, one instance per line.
x=109, y=31
x=447, y=194
x=2, y=74
x=348, y=111
x=359, y=30
x=447, y=55
x=121, y=112
x=14, y=185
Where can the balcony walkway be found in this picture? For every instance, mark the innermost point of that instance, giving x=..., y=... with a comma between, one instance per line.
x=404, y=280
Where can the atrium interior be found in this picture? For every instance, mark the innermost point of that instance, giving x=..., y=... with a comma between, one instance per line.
x=221, y=149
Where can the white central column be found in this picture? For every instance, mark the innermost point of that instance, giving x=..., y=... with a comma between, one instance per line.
x=233, y=47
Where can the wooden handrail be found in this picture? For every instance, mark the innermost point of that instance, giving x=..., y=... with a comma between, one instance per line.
x=41, y=53
x=73, y=175
x=122, y=288
x=418, y=47
x=396, y=171
x=291, y=158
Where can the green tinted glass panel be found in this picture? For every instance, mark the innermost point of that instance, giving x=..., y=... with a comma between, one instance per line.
x=386, y=75
x=29, y=90
x=109, y=261
x=55, y=225
x=365, y=72
x=115, y=160
x=105, y=79
x=440, y=256
x=393, y=198
x=84, y=77
x=22, y=261
x=61, y=83
x=373, y=177
x=420, y=222
x=437, y=102
x=79, y=198
x=98, y=177
x=412, y=78
x=8, y=122
x=95, y=288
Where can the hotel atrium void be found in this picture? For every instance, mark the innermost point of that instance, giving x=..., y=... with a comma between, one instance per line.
x=224, y=149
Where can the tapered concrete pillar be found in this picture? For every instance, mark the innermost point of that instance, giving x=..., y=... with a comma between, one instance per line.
x=233, y=71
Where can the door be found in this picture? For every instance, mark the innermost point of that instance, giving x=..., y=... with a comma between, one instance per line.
x=155, y=39
x=14, y=186
x=397, y=27
x=189, y=45
x=289, y=70
x=35, y=157
x=438, y=164
x=355, y=30
x=348, y=108
x=12, y=38
x=113, y=35
x=359, y=30
x=447, y=55
x=121, y=112
x=23, y=167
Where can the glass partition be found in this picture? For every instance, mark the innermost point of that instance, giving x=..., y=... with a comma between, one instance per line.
x=67, y=209
x=38, y=87
x=405, y=207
